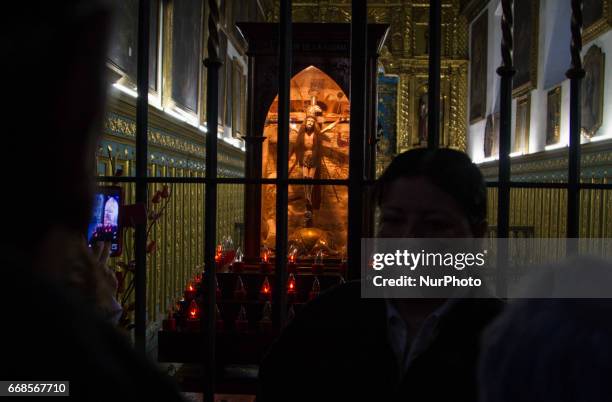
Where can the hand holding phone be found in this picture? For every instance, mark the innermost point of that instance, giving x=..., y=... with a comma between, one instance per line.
x=104, y=225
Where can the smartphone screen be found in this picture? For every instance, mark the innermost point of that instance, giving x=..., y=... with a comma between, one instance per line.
x=104, y=223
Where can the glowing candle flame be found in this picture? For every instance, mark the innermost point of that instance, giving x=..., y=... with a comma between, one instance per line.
x=194, y=310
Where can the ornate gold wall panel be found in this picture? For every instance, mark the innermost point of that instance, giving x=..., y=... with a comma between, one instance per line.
x=174, y=151
x=544, y=210
x=413, y=82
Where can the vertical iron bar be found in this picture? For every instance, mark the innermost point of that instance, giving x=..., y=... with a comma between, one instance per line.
x=433, y=98
x=252, y=170
x=506, y=71
x=208, y=327
x=359, y=27
x=576, y=73
x=282, y=161
x=142, y=124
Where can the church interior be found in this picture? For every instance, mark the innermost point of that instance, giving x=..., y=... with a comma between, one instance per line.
x=221, y=177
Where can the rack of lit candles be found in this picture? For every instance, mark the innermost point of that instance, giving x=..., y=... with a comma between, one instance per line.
x=244, y=290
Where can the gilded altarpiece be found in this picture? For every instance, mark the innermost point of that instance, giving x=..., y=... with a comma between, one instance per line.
x=405, y=55
x=318, y=134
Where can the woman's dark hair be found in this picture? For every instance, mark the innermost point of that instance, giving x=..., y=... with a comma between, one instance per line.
x=450, y=170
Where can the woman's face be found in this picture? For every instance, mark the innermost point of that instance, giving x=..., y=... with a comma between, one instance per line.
x=415, y=207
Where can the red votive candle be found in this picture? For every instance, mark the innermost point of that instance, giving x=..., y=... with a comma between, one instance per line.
x=193, y=316
x=265, y=324
x=220, y=323
x=241, y=323
x=238, y=264
x=240, y=290
x=317, y=265
x=265, y=293
x=190, y=292
x=265, y=267
x=169, y=324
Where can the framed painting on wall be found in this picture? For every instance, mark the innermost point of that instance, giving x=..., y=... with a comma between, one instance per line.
x=553, y=116
x=237, y=99
x=521, y=131
x=386, y=147
x=186, y=53
x=123, y=45
x=478, y=68
x=229, y=90
x=491, y=136
x=592, y=91
x=526, y=17
x=597, y=18
x=222, y=76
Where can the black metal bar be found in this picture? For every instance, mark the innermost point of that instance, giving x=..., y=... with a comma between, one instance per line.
x=337, y=182
x=252, y=165
x=282, y=161
x=575, y=74
x=433, y=96
x=142, y=124
x=208, y=322
x=495, y=184
x=359, y=28
x=222, y=180
x=506, y=71
x=595, y=186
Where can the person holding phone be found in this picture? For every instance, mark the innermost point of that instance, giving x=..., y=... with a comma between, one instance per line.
x=56, y=294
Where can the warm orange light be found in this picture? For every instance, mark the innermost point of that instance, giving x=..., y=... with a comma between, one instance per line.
x=266, y=290
x=191, y=288
x=291, y=286
x=265, y=256
x=194, y=310
x=219, y=253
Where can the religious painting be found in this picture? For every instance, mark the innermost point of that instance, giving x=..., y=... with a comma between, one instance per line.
x=238, y=95
x=154, y=44
x=229, y=90
x=386, y=145
x=478, y=68
x=123, y=46
x=597, y=18
x=491, y=136
x=592, y=91
x=222, y=76
x=553, y=116
x=423, y=119
x=186, y=53
x=421, y=106
x=526, y=20
x=318, y=149
x=521, y=132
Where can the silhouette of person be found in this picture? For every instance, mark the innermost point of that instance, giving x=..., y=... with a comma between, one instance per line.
x=341, y=347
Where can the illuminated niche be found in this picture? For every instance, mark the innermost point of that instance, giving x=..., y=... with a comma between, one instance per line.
x=318, y=149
